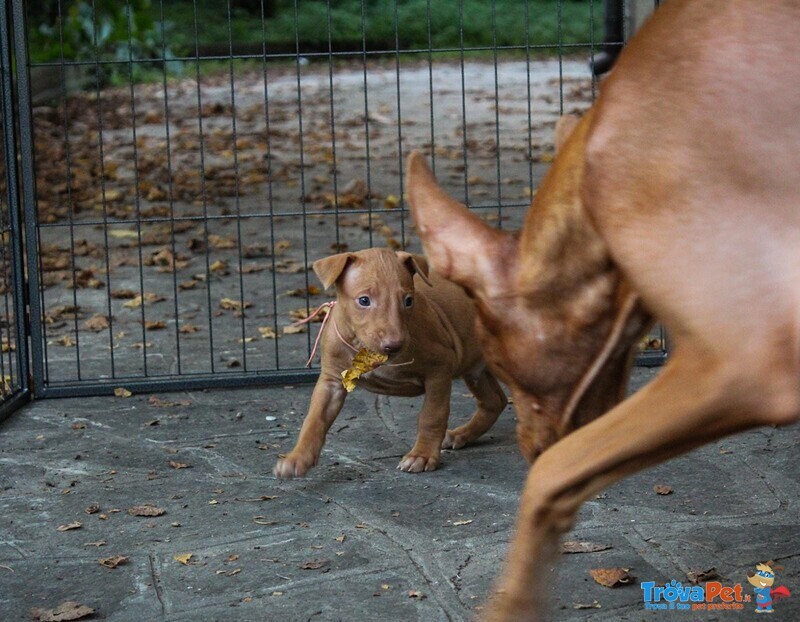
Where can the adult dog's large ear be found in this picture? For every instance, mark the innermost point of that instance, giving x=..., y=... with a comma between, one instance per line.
x=458, y=244
x=416, y=264
x=329, y=269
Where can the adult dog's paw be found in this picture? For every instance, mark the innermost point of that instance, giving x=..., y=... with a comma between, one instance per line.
x=293, y=465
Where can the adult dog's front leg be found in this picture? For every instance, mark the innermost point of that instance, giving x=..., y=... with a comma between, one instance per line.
x=327, y=400
x=695, y=400
x=431, y=428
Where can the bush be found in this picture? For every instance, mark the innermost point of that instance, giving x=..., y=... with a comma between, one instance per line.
x=105, y=30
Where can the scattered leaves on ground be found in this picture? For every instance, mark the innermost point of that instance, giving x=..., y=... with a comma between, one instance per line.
x=183, y=558
x=122, y=392
x=661, y=489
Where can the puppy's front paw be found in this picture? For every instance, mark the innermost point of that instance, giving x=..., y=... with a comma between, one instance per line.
x=415, y=463
x=293, y=465
x=456, y=439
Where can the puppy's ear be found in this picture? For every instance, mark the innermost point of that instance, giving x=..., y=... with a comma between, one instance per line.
x=329, y=269
x=564, y=126
x=416, y=264
x=458, y=244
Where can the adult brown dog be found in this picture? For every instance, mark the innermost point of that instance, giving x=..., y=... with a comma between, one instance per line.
x=387, y=302
x=677, y=193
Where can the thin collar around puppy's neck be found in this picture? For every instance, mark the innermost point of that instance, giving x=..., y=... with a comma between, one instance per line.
x=329, y=306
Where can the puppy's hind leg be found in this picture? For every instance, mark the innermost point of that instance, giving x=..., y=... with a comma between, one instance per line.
x=491, y=402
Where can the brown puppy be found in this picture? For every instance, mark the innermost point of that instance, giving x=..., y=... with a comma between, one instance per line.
x=678, y=193
x=387, y=302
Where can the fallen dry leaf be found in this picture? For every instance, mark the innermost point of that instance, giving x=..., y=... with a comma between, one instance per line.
x=416, y=594
x=234, y=305
x=188, y=328
x=154, y=400
x=700, y=576
x=69, y=610
x=123, y=233
x=155, y=324
x=340, y=538
x=612, y=577
x=92, y=509
x=267, y=332
x=364, y=361
x=113, y=562
x=575, y=546
x=262, y=520
x=65, y=341
x=458, y=523
x=97, y=322
x=314, y=565
x=593, y=605
x=124, y=294
x=146, y=298
x=146, y=509
x=183, y=558
x=219, y=266
x=391, y=202
x=293, y=330
x=179, y=465
x=70, y=526
x=98, y=544
x=122, y=392
x=661, y=489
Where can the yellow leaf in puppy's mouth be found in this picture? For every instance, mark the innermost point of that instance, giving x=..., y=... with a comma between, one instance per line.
x=364, y=361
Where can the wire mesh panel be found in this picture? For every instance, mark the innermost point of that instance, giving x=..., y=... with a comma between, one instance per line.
x=192, y=159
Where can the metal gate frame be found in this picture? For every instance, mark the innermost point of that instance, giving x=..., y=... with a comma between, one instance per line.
x=15, y=380
x=31, y=378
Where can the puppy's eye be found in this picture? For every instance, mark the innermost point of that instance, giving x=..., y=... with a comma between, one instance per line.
x=409, y=301
x=364, y=301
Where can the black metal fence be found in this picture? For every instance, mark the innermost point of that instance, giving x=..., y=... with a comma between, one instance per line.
x=172, y=207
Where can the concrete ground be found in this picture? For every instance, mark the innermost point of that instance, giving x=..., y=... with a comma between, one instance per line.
x=356, y=540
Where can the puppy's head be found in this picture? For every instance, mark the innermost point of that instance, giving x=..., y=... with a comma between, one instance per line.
x=374, y=295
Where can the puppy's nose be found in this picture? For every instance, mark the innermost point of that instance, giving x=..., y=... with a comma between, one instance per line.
x=391, y=346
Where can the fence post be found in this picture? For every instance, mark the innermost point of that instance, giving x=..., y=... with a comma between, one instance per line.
x=17, y=275
x=28, y=196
